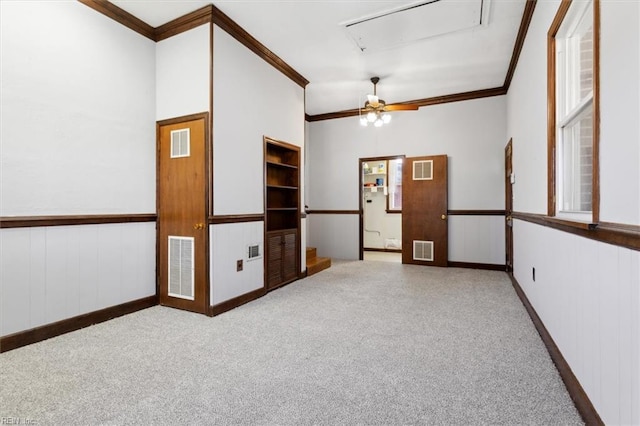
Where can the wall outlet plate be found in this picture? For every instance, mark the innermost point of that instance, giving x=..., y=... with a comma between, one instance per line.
x=239, y=265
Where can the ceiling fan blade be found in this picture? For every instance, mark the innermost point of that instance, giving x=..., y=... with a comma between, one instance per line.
x=400, y=107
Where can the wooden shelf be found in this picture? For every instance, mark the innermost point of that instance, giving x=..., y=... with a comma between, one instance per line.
x=269, y=186
x=285, y=165
x=282, y=212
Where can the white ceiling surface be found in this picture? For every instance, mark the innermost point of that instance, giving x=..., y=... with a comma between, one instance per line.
x=310, y=36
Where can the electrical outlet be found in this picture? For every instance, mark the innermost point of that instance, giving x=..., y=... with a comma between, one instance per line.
x=239, y=265
x=533, y=273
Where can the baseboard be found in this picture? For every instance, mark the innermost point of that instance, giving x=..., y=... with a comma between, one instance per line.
x=38, y=334
x=582, y=402
x=237, y=301
x=487, y=266
x=385, y=250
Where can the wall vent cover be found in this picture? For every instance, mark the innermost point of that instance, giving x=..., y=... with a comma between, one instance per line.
x=423, y=170
x=423, y=250
x=180, y=143
x=253, y=252
x=181, y=271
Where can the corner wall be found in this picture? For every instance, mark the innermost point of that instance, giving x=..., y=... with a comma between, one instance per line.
x=587, y=293
x=251, y=100
x=77, y=138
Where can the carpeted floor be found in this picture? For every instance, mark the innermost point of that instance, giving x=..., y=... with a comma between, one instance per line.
x=360, y=343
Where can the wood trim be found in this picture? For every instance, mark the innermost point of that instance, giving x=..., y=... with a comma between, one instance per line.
x=121, y=16
x=235, y=218
x=622, y=235
x=36, y=221
x=436, y=100
x=333, y=212
x=38, y=334
x=383, y=250
x=551, y=105
x=181, y=119
x=184, y=23
x=527, y=15
x=237, y=32
x=595, y=154
x=471, y=265
x=476, y=212
x=236, y=301
x=580, y=399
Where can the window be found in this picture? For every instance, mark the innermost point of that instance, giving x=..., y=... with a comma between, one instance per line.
x=573, y=115
x=394, y=200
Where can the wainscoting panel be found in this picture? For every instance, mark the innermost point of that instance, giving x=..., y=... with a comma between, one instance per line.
x=48, y=274
x=477, y=239
x=587, y=294
x=229, y=243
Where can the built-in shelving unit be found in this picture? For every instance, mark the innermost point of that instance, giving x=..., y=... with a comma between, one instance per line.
x=282, y=208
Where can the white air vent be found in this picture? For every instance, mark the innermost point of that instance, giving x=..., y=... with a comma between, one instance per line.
x=180, y=143
x=423, y=250
x=253, y=252
x=423, y=170
x=181, y=271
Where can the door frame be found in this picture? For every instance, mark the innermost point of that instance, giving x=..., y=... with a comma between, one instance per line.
x=361, y=161
x=208, y=154
x=508, y=205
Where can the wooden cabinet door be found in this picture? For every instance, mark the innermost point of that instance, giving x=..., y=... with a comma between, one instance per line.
x=290, y=249
x=274, y=259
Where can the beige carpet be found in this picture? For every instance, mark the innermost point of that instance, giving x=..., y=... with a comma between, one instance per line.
x=360, y=343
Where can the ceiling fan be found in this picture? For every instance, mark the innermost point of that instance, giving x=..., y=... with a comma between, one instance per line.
x=375, y=109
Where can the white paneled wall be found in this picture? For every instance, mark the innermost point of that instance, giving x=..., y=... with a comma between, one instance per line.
x=334, y=235
x=48, y=274
x=477, y=239
x=588, y=296
x=229, y=243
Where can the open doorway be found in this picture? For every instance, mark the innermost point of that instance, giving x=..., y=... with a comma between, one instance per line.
x=381, y=208
x=403, y=208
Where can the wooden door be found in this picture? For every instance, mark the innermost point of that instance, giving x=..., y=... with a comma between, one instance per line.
x=508, y=209
x=182, y=214
x=424, y=211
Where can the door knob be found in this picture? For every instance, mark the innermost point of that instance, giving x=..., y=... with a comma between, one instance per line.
x=443, y=217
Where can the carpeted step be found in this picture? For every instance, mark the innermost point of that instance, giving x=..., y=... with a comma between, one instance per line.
x=317, y=264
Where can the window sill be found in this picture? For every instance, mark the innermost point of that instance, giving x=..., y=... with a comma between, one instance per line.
x=618, y=234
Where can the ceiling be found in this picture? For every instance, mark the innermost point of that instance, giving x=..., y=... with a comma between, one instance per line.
x=419, y=49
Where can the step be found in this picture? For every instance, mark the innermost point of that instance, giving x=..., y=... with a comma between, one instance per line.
x=317, y=264
x=311, y=253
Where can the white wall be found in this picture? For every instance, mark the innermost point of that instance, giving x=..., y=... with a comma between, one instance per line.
x=251, y=100
x=471, y=133
x=52, y=273
x=182, y=74
x=77, y=134
x=585, y=292
x=77, y=137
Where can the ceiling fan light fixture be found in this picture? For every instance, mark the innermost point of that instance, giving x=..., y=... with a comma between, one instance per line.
x=378, y=122
x=363, y=121
x=386, y=118
x=371, y=117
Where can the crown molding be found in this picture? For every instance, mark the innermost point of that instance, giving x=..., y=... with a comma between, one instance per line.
x=122, y=16
x=184, y=23
x=436, y=100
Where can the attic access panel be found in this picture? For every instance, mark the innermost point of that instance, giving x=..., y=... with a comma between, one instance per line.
x=416, y=21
